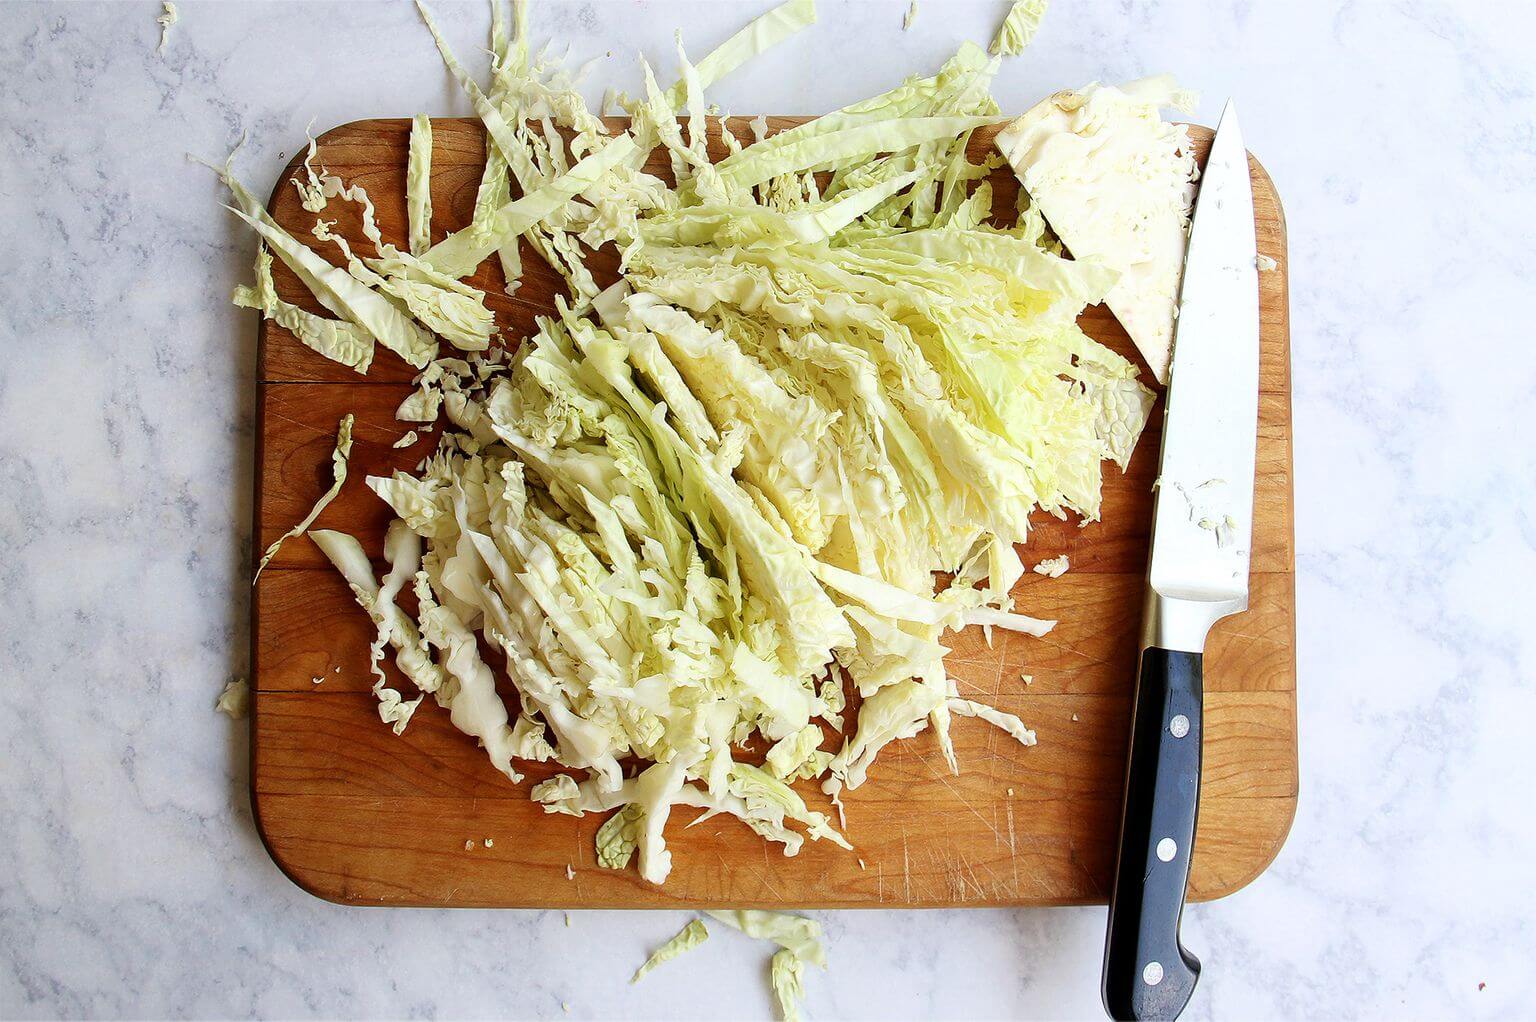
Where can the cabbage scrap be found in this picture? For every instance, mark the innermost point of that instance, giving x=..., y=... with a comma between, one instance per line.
x=798, y=935
x=1053, y=567
x=688, y=938
x=338, y=340
x=394, y=298
x=618, y=837
x=1006, y=721
x=1018, y=29
x=344, y=294
x=165, y=20
x=493, y=191
x=800, y=940
x=418, y=184
x=394, y=625
x=798, y=756
x=340, y=291
x=339, y=458
x=757, y=37
x=235, y=701
x=448, y=307
x=461, y=252
x=786, y=973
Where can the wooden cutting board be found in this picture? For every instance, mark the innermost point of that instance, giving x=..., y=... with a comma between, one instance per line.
x=354, y=814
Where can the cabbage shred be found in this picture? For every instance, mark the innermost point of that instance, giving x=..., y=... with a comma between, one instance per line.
x=697, y=498
x=1018, y=28
x=418, y=184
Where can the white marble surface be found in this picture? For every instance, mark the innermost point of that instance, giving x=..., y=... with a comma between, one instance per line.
x=1403, y=139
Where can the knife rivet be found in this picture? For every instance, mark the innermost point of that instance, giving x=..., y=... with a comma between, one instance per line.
x=1179, y=726
x=1152, y=975
x=1167, y=848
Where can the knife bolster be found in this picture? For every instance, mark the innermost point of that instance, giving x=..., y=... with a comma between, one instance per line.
x=1181, y=622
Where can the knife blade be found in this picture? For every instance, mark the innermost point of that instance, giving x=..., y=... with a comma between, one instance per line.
x=1197, y=574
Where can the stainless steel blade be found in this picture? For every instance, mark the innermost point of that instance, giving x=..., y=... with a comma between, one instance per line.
x=1203, y=517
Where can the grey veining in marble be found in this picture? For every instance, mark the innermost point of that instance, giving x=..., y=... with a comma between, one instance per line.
x=1402, y=137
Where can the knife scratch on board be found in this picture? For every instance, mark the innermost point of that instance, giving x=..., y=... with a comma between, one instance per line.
x=970, y=874
x=763, y=879
x=959, y=796
x=906, y=869
x=949, y=869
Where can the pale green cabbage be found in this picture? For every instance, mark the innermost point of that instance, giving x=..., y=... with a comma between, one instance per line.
x=1116, y=182
x=757, y=37
x=1006, y=721
x=395, y=627
x=338, y=290
x=800, y=941
x=460, y=252
x=339, y=457
x=235, y=701
x=1053, y=567
x=338, y=340
x=1018, y=28
x=693, y=502
x=688, y=938
x=418, y=185
x=618, y=837
x=786, y=973
x=169, y=16
x=798, y=756
x=798, y=935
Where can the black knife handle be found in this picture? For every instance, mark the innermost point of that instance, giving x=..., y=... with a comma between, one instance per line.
x=1147, y=972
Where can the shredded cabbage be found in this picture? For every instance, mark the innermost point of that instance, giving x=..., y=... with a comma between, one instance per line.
x=798, y=756
x=169, y=16
x=338, y=340
x=460, y=252
x=688, y=938
x=757, y=37
x=787, y=976
x=344, y=294
x=701, y=498
x=798, y=935
x=800, y=940
x=618, y=837
x=1018, y=28
x=339, y=457
x=418, y=184
x=1006, y=721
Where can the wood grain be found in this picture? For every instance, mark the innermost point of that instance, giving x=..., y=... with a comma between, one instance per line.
x=356, y=814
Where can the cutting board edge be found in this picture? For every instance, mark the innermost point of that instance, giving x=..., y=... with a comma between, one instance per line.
x=354, y=892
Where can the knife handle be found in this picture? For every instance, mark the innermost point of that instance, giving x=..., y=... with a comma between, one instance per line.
x=1147, y=972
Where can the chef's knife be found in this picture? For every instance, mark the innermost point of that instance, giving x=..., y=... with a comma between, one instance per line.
x=1197, y=574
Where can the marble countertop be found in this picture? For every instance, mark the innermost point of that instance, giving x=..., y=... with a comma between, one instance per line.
x=1401, y=138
